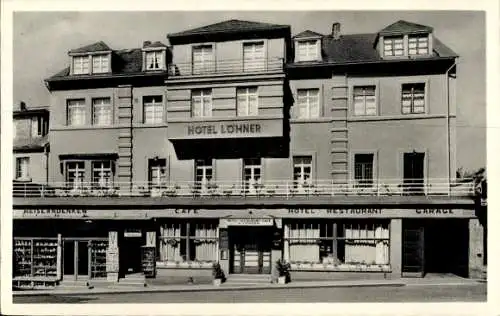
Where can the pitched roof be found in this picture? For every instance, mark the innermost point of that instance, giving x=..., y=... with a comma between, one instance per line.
x=96, y=47
x=405, y=27
x=308, y=33
x=229, y=26
x=148, y=44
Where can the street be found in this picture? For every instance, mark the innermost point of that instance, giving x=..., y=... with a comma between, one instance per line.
x=427, y=293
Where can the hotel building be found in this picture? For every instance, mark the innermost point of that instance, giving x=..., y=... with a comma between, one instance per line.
x=241, y=144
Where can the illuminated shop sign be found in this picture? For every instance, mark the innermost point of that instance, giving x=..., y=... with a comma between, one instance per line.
x=224, y=128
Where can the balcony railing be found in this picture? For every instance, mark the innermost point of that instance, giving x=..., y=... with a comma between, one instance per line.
x=227, y=66
x=278, y=188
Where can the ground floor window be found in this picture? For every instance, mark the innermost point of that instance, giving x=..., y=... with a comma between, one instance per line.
x=183, y=241
x=335, y=242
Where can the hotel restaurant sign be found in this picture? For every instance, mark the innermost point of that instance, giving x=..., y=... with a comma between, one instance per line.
x=242, y=215
x=226, y=129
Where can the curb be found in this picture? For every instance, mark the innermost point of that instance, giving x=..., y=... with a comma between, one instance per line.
x=209, y=289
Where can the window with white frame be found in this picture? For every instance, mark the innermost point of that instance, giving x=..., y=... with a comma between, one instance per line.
x=155, y=60
x=252, y=168
x=22, y=168
x=302, y=171
x=102, y=114
x=203, y=59
x=308, y=103
x=413, y=98
x=100, y=63
x=102, y=174
x=37, y=126
x=365, y=101
x=203, y=171
x=201, y=103
x=75, y=174
x=308, y=50
x=247, y=101
x=253, y=56
x=76, y=112
x=181, y=241
x=394, y=46
x=81, y=65
x=157, y=174
x=153, y=109
x=337, y=242
x=418, y=44
x=363, y=169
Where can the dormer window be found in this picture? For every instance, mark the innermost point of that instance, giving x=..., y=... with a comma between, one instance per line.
x=81, y=65
x=308, y=50
x=418, y=44
x=100, y=63
x=155, y=60
x=394, y=46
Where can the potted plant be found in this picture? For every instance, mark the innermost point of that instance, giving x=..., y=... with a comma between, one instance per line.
x=283, y=269
x=218, y=274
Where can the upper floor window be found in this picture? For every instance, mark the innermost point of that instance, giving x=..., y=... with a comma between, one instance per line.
x=157, y=172
x=363, y=169
x=153, y=109
x=394, y=46
x=203, y=59
x=308, y=103
x=418, y=45
x=100, y=63
x=76, y=112
x=247, y=101
x=102, y=174
x=201, y=102
x=413, y=98
x=81, y=65
x=155, y=60
x=302, y=170
x=203, y=173
x=75, y=173
x=253, y=56
x=38, y=126
x=102, y=112
x=308, y=50
x=365, y=101
x=22, y=167
x=252, y=174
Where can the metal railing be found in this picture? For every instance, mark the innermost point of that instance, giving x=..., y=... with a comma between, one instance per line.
x=280, y=188
x=227, y=66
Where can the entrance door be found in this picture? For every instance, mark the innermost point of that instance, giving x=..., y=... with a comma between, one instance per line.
x=413, y=252
x=68, y=259
x=251, y=250
x=413, y=173
x=130, y=254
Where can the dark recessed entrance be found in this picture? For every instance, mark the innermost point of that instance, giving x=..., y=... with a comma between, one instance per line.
x=250, y=249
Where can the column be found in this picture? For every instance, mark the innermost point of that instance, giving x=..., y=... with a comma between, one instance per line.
x=59, y=257
x=395, y=245
x=112, y=257
x=75, y=261
x=476, y=248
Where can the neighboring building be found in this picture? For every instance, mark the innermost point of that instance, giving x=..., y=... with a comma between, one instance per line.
x=334, y=152
x=30, y=144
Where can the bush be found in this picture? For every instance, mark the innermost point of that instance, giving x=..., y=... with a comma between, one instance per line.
x=217, y=272
x=283, y=269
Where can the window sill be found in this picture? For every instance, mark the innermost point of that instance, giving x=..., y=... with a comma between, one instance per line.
x=184, y=265
x=353, y=118
x=311, y=120
x=83, y=127
x=149, y=125
x=344, y=267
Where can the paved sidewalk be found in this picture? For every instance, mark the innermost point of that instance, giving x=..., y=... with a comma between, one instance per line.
x=118, y=289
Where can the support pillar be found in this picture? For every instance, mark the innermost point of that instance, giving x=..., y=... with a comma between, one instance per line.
x=476, y=249
x=396, y=239
x=112, y=257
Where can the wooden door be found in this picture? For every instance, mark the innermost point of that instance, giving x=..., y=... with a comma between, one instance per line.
x=413, y=252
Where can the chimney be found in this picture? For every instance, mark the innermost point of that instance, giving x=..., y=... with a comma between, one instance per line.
x=336, y=30
x=146, y=44
x=22, y=106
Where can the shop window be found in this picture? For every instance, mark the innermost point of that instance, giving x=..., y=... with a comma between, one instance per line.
x=355, y=242
x=102, y=112
x=153, y=109
x=308, y=103
x=75, y=174
x=247, y=101
x=253, y=56
x=394, y=46
x=363, y=169
x=22, y=168
x=364, y=101
x=203, y=59
x=252, y=174
x=186, y=242
x=302, y=172
x=413, y=98
x=76, y=112
x=102, y=174
x=201, y=103
x=157, y=174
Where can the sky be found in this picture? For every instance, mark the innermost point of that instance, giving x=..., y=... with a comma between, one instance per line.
x=42, y=40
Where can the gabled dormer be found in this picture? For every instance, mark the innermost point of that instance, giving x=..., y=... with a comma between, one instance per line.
x=154, y=56
x=90, y=59
x=404, y=39
x=307, y=46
